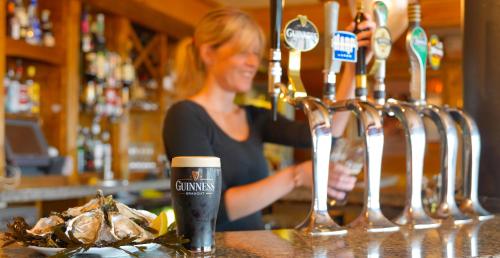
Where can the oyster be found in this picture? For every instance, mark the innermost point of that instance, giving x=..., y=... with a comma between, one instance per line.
x=123, y=227
x=86, y=227
x=145, y=217
x=101, y=220
x=91, y=205
x=45, y=226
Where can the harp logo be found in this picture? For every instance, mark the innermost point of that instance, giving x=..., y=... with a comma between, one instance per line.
x=195, y=174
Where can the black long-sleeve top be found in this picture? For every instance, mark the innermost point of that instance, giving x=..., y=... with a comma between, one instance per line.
x=188, y=130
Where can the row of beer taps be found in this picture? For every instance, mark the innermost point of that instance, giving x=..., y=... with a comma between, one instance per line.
x=301, y=35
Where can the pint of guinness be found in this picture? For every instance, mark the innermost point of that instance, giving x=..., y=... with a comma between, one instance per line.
x=196, y=190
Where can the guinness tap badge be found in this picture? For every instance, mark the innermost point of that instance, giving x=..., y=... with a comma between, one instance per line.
x=301, y=34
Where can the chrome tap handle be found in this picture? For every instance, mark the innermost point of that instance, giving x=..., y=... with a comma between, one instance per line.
x=381, y=45
x=471, y=152
x=331, y=67
x=447, y=207
x=371, y=218
x=416, y=46
x=274, y=70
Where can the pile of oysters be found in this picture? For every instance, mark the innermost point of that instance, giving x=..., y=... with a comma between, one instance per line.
x=101, y=220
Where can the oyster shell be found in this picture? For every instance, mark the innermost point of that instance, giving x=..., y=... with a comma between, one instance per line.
x=123, y=227
x=86, y=226
x=77, y=211
x=44, y=226
x=145, y=217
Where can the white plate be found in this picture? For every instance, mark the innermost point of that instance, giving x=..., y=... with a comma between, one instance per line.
x=102, y=251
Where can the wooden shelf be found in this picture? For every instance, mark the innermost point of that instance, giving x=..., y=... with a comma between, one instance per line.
x=21, y=49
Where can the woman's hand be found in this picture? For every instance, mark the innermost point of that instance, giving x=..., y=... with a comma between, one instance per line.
x=365, y=37
x=340, y=179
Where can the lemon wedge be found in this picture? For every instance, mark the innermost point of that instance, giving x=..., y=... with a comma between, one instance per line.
x=160, y=224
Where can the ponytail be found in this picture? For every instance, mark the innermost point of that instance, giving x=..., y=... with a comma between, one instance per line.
x=188, y=69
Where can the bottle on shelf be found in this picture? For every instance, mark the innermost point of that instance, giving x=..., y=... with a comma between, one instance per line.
x=22, y=18
x=34, y=31
x=33, y=90
x=80, y=151
x=98, y=148
x=14, y=88
x=48, y=36
x=14, y=26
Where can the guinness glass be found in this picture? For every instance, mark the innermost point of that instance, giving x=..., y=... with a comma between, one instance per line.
x=196, y=190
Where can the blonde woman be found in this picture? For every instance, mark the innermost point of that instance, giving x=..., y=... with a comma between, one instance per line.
x=219, y=61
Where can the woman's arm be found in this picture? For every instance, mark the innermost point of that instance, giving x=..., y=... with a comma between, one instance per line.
x=244, y=200
x=241, y=201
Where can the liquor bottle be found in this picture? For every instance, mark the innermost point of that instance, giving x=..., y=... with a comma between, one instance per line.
x=14, y=89
x=33, y=90
x=13, y=27
x=48, y=36
x=98, y=150
x=107, y=157
x=34, y=33
x=86, y=34
x=22, y=18
x=361, y=87
x=80, y=150
x=99, y=33
x=128, y=77
x=8, y=79
x=88, y=150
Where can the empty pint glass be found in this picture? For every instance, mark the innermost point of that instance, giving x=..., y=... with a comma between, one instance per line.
x=196, y=190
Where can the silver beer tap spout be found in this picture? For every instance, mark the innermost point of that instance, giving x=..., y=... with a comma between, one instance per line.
x=471, y=152
x=413, y=215
x=302, y=35
x=371, y=218
x=416, y=45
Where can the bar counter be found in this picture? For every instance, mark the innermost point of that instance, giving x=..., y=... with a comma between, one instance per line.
x=479, y=239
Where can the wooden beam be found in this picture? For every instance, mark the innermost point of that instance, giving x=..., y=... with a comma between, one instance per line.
x=70, y=79
x=176, y=18
x=2, y=96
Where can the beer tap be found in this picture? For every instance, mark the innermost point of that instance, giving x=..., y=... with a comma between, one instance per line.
x=413, y=215
x=371, y=218
x=332, y=67
x=471, y=148
x=471, y=152
x=416, y=45
x=301, y=35
x=274, y=70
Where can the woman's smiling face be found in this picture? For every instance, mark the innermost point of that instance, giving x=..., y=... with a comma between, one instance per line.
x=232, y=67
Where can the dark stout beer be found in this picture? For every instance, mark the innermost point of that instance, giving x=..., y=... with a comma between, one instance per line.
x=196, y=189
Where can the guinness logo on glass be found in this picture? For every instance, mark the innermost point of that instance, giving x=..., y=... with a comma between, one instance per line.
x=301, y=34
x=196, y=182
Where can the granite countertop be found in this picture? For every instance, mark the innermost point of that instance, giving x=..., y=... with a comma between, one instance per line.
x=77, y=191
x=472, y=240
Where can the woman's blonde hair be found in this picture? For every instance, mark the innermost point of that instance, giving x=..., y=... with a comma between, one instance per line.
x=215, y=29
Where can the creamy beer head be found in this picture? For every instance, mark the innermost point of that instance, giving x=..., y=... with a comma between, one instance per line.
x=195, y=161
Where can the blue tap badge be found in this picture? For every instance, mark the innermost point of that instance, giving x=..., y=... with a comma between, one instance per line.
x=345, y=46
